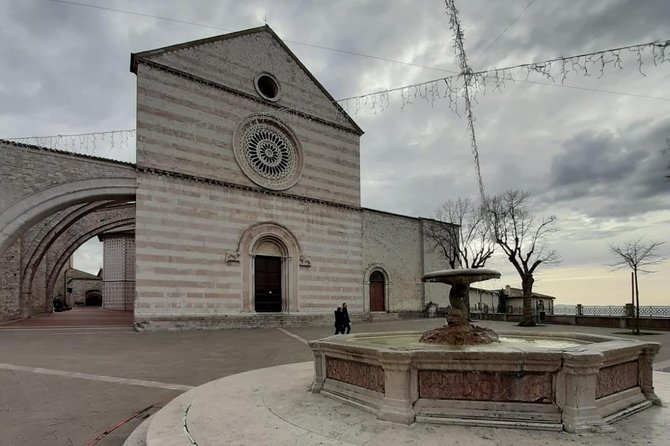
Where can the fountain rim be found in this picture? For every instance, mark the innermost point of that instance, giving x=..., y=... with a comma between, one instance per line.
x=464, y=276
x=589, y=344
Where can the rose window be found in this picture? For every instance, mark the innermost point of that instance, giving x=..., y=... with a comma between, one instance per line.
x=267, y=152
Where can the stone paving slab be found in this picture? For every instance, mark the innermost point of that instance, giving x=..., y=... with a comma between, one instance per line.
x=34, y=408
x=76, y=317
x=273, y=406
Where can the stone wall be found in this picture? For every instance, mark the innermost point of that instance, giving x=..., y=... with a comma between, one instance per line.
x=187, y=126
x=118, y=283
x=10, y=262
x=189, y=261
x=27, y=169
x=79, y=288
x=395, y=244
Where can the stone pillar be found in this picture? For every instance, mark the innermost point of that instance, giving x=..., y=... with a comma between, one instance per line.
x=646, y=370
x=319, y=368
x=400, y=388
x=580, y=414
x=118, y=273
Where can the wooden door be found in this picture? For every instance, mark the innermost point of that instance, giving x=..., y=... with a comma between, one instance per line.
x=377, y=298
x=267, y=281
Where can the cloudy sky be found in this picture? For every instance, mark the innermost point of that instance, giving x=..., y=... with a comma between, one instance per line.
x=588, y=151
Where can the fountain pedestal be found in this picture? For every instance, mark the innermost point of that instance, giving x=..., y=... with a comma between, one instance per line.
x=459, y=331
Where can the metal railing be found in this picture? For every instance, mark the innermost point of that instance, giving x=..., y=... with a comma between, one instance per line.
x=612, y=310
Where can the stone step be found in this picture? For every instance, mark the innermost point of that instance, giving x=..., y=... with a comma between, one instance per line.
x=167, y=425
x=139, y=436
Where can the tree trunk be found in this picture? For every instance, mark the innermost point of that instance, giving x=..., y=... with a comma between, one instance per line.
x=527, y=286
x=637, y=305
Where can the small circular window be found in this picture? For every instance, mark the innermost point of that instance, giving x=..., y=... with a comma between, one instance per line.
x=267, y=152
x=267, y=86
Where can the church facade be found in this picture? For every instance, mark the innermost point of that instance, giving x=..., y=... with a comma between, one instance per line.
x=248, y=206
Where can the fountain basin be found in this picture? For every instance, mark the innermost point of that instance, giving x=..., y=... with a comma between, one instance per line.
x=581, y=386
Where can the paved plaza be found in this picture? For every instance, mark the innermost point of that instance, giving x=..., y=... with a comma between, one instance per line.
x=69, y=379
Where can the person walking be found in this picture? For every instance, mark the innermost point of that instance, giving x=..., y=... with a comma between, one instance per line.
x=346, y=323
x=339, y=326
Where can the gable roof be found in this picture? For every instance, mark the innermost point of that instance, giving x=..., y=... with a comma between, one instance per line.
x=136, y=58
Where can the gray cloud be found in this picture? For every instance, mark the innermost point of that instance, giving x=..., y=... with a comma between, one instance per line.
x=592, y=158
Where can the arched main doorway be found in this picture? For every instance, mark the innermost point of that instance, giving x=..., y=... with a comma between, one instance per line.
x=268, y=295
x=377, y=291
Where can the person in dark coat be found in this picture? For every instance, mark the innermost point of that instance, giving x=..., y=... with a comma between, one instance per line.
x=346, y=323
x=339, y=326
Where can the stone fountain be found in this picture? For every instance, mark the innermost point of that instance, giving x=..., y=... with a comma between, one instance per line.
x=551, y=381
x=459, y=331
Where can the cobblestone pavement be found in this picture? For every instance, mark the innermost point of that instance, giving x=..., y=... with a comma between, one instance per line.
x=64, y=384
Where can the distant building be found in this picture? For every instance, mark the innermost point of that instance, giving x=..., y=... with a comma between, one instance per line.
x=508, y=300
x=541, y=303
x=83, y=289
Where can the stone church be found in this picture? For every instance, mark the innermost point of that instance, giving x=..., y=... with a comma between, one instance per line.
x=247, y=196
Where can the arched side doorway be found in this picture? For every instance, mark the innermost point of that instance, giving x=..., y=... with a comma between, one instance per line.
x=377, y=288
x=377, y=292
x=93, y=298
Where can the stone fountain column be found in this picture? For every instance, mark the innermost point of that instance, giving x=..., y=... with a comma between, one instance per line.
x=458, y=330
x=400, y=390
x=580, y=414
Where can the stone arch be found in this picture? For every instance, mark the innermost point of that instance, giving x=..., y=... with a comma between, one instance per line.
x=377, y=268
x=45, y=240
x=253, y=238
x=75, y=243
x=16, y=219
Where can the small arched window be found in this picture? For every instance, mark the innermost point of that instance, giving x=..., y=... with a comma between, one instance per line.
x=377, y=277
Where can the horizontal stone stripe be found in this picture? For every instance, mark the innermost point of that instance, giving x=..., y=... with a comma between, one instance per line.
x=183, y=101
x=343, y=158
x=245, y=216
x=165, y=182
x=329, y=245
x=150, y=260
x=208, y=64
x=312, y=101
x=181, y=283
x=243, y=212
x=325, y=306
x=203, y=299
x=183, y=271
x=190, y=88
x=215, y=138
x=207, y=194
x=320, y=291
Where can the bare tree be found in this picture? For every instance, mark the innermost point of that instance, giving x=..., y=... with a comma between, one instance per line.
x=522, y=237
x=468, y=244
x=465, y=240
x=636, y=255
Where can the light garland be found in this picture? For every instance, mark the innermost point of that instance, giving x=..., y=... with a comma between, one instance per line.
x=457, y=90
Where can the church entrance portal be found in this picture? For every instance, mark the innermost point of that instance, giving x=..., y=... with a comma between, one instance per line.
x=377, y=298
x=267, y=284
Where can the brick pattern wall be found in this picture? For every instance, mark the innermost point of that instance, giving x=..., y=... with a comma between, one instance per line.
x=79, y=289
x=26, y=170
x=393, y=242
x=235, y=62
x=185, y=229
x=118, y=283
x=9, y=282
x=186, y=127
